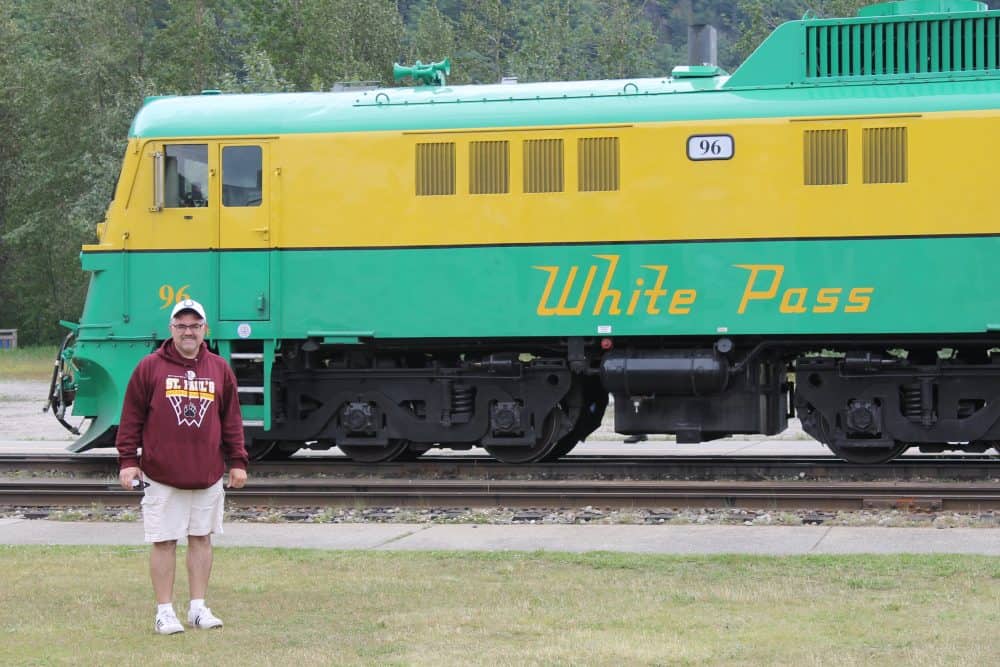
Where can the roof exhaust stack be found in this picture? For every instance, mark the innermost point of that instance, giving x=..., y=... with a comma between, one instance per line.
x=703, y=45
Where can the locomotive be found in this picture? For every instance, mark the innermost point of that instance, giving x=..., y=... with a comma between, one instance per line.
x=393, y=270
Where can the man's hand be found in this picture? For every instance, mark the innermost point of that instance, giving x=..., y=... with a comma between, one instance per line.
x=126, y=475
x=237, y=478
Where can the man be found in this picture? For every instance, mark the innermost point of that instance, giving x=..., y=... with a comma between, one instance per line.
x=182, y=409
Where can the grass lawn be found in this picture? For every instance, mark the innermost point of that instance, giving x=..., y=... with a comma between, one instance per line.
x=92, y=605
x=27, y=363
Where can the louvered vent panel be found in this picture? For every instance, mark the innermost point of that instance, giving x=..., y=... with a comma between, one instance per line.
x=435, y=169
x=903, y=47
x=543, y=165
x=825, y=153
x=488, y=167
x=598, y=164
x=885, y=155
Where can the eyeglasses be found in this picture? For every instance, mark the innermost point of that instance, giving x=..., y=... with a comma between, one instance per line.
x=188, y=327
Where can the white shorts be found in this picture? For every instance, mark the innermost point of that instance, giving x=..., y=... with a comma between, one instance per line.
x=169, y=513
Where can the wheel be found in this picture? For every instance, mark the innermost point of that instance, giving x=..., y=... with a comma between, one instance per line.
x=394, y=451
x=269, y=450
x=868, y=455
x=588, y=420
x=547, y=440
x=413, y=453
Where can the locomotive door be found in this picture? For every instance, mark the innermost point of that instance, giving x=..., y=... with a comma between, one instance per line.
x=244, y=232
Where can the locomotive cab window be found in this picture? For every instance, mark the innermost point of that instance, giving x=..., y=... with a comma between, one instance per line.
x=242, y=167
x=183, y=176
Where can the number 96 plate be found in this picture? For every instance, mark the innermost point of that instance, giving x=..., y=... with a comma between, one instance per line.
x=710, y=147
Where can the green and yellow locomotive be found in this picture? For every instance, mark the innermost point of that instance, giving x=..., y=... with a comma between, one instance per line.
x=393, y=270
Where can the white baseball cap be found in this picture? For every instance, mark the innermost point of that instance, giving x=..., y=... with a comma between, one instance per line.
x=188, y=304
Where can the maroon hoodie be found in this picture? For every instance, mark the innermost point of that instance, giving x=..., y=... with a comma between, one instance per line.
x=185, y=415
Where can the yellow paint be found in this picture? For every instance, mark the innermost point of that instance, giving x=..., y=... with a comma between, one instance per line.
x=764, y=282
x=358, y=190
x=860, y=299
x=750, y=293
x=607, y=300
x=170, y=296
x=682, y=301
x=827, y=300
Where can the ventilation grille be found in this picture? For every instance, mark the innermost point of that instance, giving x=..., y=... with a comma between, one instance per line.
x=825, y=157
x=904, y=47
x=598, y=167
x=488, y=162
x=543, y=165
x=884, y=150
x=435, y=169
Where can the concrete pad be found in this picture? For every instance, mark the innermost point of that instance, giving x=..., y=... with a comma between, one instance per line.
x=756, y=540
x=874, y=540
x=770, y=540
x=24, y=531
x=296, y=536
x=314, y=536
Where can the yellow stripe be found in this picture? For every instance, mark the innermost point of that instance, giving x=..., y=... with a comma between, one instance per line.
x=359, y=189
x=182, y=393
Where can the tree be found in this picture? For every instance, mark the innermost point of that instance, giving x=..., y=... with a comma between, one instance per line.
x=432, y=36
x=487, y=38
x=313, y=43
x=551, y=42
x=80, y=67
x=189, y=47
x=256, y=74
x=625, y=40
x=9, y=92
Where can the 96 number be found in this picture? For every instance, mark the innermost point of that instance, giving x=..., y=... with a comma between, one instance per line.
x=169, y=296
x=710, y=147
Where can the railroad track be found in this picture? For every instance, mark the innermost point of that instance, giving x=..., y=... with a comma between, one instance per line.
x=966, y=468
x=935, y=496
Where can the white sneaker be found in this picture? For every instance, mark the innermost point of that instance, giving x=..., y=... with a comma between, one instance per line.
x=167, y=624
x=203, y=619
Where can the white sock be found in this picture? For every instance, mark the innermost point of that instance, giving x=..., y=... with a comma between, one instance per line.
x=197, y=604
x=162, y=609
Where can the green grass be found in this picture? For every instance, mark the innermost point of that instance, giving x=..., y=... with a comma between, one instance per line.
x=92, y=605
x=27, y=363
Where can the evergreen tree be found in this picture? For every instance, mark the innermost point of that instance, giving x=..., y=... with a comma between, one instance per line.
x=79, y=68
x=189, y=46
x=624, y=42
x=9, y=94
x=314, y=43
x=432, y=35
x=487, y=38
x=552, y=42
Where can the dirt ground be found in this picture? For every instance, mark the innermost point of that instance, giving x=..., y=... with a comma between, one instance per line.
x=21, y=416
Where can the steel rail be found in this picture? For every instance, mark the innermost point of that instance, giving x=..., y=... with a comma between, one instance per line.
x=969, y=467
x=545, y=493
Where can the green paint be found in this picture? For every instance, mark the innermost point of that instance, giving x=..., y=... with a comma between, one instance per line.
x=887, y=43
x=697, y=71
x=905, y=7
x=429, y=74
x=495, y=291
x=920, y=286
x=639, y=101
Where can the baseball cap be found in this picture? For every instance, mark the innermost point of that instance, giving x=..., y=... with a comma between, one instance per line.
x=188, y=304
